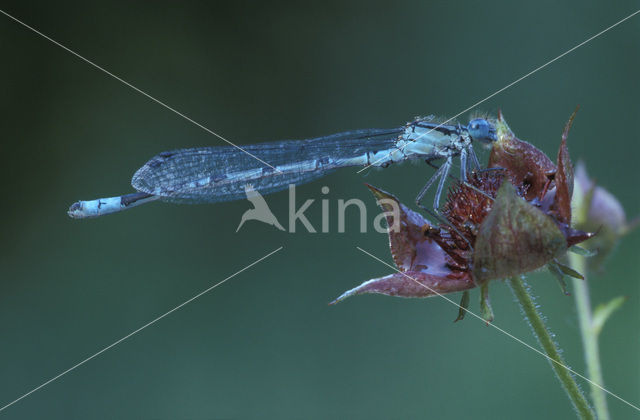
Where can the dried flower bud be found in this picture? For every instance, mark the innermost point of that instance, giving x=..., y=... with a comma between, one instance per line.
x=500, y=223
x=596, y=209
x=515, y=238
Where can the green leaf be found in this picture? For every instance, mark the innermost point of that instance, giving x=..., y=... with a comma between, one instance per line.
x=485, y=304
x=557, y=273
x=569, y=271
x=464, y=304
x=603, y=311
x=583, y=251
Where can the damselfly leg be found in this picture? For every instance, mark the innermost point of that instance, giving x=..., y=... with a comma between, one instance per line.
x=468, y=161
x=474, y=159
x=440, y=176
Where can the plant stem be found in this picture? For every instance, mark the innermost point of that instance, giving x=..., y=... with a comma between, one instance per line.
x=550, y=348
x=589, y=336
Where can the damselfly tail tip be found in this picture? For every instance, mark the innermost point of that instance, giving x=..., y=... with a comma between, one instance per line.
x=76, y=210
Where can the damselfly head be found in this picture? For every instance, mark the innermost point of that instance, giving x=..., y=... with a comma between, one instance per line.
x=482, y=130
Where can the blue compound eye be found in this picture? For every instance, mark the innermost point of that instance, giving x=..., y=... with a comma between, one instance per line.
x=482, y=130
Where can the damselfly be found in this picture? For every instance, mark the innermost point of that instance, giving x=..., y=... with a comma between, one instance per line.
x=214, y=174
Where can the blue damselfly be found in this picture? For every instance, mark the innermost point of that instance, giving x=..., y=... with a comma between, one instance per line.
x=215, y=174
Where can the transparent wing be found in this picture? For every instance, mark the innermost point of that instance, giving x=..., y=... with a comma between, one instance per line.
x=212, y=174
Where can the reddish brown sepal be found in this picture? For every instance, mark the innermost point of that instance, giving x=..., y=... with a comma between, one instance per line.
x=406, y=238
x=561, y=207
x=514, y=238
x=527, y=166
x=410, y=284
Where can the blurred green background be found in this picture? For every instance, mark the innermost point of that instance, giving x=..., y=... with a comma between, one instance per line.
x=265, y=344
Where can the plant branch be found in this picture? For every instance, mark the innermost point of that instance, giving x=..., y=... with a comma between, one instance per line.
x=589, y=336
x=550, y=348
